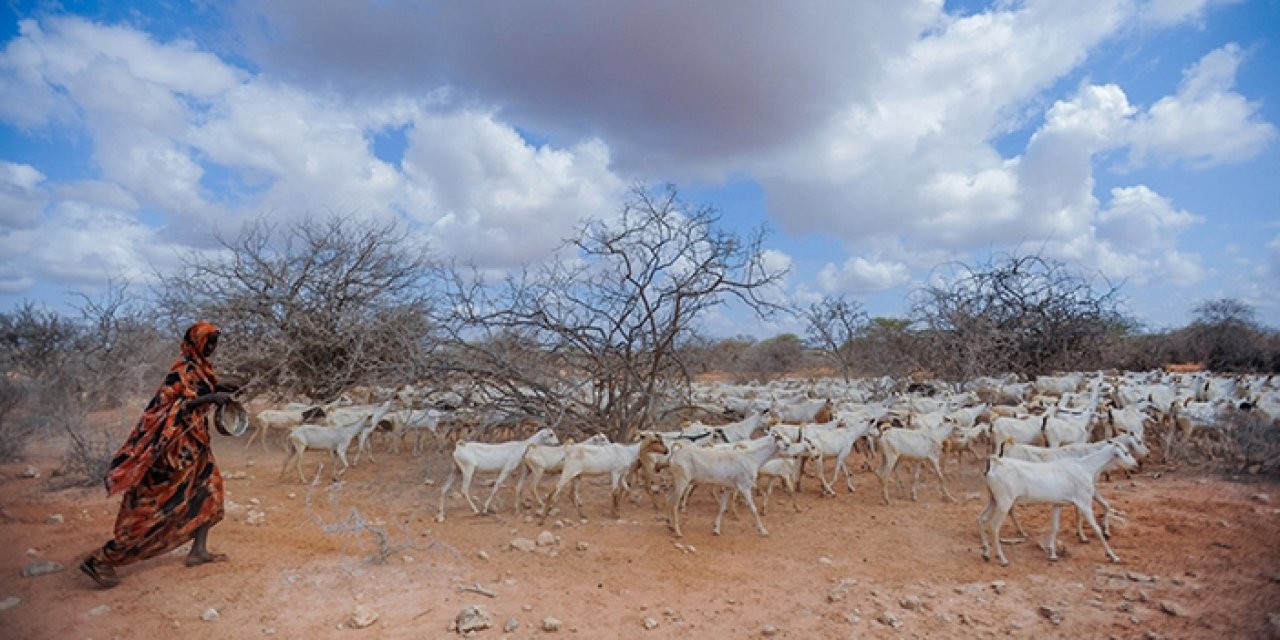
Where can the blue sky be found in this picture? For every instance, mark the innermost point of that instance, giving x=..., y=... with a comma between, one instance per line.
x=1134, y=138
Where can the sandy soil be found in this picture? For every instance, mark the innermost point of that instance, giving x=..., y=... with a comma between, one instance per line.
x=1206, y=546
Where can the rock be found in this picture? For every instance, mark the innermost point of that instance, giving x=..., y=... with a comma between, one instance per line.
x=649, y=623
x=888, y=619
x=1261, y=498
x=1139, y=577
x=841, y=590
x=550, y=624
x=852, y=618
x=1173, y=608
x=10, y=602
x=99, y=611
x=911, y=603
x=362, y=617
x=523, y=544
x=1094, y=603
x=511, y=626
x=582, y=546
x=54, y=518
x=970, y=587
x=210, y=615
x=1052, y=614
x=768, y=631
x=29, y=472
x=998, y=586
x=547, y=539
x=40, y=568
x=482, y=554
x=1125, y=607
x=972, y=495
x=824, y=561
x=471, y=619
x=255, y=518
x=943, y=617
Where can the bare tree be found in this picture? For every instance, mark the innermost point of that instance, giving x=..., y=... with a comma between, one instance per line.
x=1021, y=313
x=1226, y=336
x=600, y=327
x=313, y=306
x=831, y=326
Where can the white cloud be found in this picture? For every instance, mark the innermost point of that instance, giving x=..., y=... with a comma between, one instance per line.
x=1205, y=123
x=860, y=275
x=22, y=198
x=1164, y=13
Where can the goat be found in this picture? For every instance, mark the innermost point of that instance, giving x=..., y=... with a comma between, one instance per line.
x=837, y=443
x=1027, y=429
x=1057, y=482
x=284, y=419
x=502, y=457
x=615, y=459
x=1031, y=453
x=923, y=444
x=539, y=459
x=735, y=468
x=335, y=440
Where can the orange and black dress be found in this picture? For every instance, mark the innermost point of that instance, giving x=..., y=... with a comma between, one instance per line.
x=166, y=469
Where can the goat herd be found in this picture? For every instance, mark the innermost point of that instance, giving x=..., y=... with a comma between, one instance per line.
x=1049, y=440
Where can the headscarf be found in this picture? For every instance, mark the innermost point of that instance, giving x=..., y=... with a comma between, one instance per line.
x=163, y=421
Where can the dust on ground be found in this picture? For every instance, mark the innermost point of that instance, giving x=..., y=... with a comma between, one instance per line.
x=1201, y=559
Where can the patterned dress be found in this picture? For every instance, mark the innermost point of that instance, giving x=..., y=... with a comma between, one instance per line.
x=165, y=468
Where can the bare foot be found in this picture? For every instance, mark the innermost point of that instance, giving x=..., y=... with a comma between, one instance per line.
x=195, y=559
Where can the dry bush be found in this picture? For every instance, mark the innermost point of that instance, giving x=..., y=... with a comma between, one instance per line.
x=1239, y=442
x=14, y=431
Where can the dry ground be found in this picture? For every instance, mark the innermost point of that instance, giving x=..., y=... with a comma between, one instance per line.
x=1206, y=544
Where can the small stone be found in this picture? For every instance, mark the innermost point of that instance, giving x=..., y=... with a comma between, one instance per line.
x=362, y=617
x=526, y=608
x=768, y=631
x=511, y=626
x=1139, y=577
x=943, y=616
x=1125, y=607
x=911, y=603
x=40, y=568
x=1052, y=614
x=1094, y=603
x=1261, y=498
x=99, y=611
x=888, y=619
x=560, y=524
x=54, y=518
x=255, y=518
x=482, y=554
x=29, y=472
x=998, y=586
x=649, y=623
x=523, y=544
x=550, y=624
x=824, y=561
x=852, y=618
x=547, y=539
x=31, y=551
x=841, y=590
x=582, y=546
x=472, y=619
x=210, y=615
x=10, y=602
x=1173, y=608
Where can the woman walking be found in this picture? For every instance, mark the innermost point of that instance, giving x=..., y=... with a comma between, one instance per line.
x=172, y=489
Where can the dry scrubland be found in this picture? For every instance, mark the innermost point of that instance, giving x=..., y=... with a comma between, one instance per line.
x=1201, y=559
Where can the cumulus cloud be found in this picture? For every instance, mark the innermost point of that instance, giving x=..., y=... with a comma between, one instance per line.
x=22, y=196
x=672, y=86
x=1205, y=123
x=180, y=134
x=860, y=275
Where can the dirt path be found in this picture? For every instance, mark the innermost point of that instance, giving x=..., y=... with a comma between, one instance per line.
x=1203, y=546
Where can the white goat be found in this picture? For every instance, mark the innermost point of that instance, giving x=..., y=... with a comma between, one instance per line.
x=283, y=419
x=614, y=459
x=335, y=440
x=1031, y=453
x=837, y=443
x=1057, y=482
x=921, y=445
x=735, y=468
x=502, y=457
x=539, y=459
x=1027, y=429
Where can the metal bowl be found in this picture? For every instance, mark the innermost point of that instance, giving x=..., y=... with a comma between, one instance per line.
x=231, y=419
